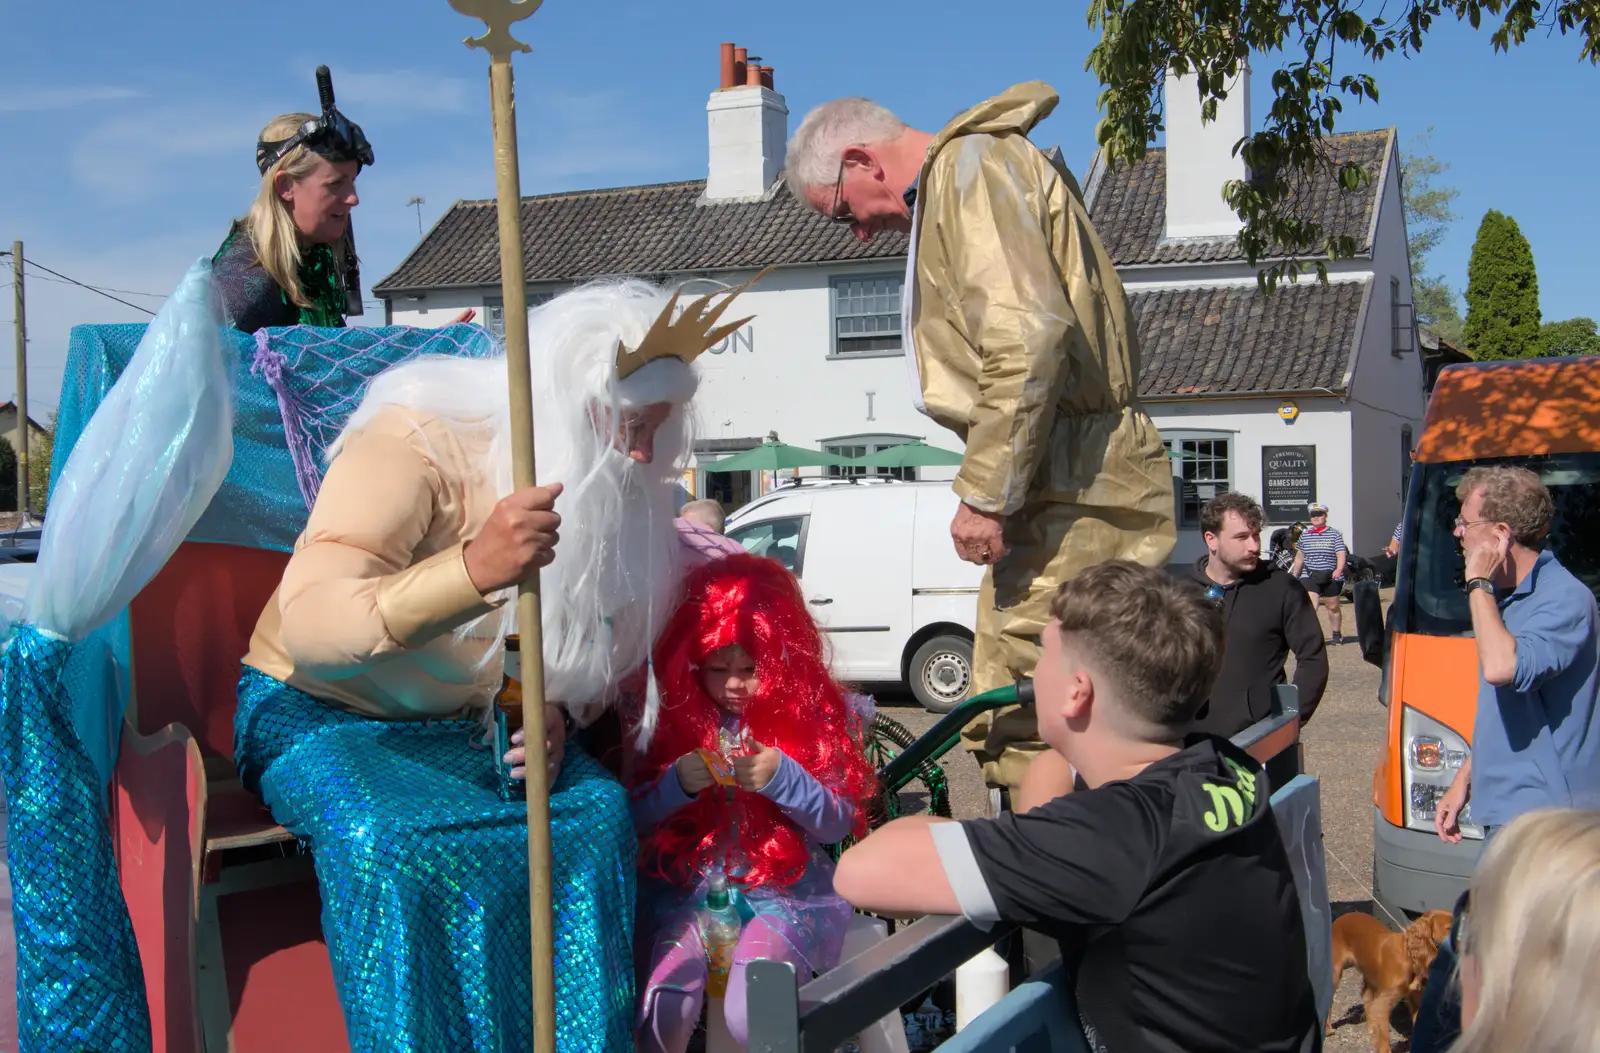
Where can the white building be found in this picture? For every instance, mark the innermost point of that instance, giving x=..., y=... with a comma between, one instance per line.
x=1313, y=393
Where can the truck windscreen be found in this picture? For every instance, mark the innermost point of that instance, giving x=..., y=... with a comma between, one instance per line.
x=1436, y=605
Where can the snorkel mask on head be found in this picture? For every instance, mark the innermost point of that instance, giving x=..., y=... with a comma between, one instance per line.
x=337, y=138
x=332, y=135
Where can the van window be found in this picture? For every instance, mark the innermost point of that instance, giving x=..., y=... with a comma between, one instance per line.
x=1438, y=606
x=782, y=539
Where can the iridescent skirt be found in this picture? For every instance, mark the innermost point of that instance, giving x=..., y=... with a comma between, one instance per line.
x=424, y=876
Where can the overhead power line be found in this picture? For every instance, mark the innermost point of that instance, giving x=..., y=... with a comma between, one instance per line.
x=97, y=288
x=92, y=288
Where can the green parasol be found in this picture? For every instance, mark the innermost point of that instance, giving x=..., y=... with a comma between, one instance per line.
x=772, y=456
x=909, y=455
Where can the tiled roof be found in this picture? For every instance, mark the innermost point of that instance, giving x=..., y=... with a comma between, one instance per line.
x=1238, y=339
x=637, y=230
x=1129, y=204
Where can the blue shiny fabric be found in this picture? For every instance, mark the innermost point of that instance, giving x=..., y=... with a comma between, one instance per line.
x=79, y=986
x=424, y=876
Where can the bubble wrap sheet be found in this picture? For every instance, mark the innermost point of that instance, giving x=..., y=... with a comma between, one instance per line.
x=79, y=986
x=424, y=876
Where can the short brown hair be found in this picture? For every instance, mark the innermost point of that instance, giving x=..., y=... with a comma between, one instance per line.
x=1156, y=637
x=1242, y=505
x=1513, y=496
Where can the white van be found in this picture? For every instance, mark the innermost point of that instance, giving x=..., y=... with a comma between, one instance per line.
x=881, y=575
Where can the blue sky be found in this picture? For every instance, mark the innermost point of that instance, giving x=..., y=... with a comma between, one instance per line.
x=129, y=128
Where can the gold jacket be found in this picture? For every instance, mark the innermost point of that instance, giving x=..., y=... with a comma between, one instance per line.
x=1023, y=341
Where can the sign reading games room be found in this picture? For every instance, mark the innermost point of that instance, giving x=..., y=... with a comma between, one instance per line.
x=1288, y=481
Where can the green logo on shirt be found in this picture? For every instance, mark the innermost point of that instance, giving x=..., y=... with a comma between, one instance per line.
x=1232, y=801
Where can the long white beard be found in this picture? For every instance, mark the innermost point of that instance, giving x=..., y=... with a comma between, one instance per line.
x=614, y=580
x=619, y=564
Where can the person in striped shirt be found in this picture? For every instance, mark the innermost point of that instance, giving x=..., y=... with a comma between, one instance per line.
x=1319, y=562
x=1392, y=549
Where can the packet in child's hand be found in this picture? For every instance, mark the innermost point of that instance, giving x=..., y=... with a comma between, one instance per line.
x=720, y=767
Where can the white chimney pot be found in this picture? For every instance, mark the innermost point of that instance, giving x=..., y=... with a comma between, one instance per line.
x=748, y=128
x=1200, y=157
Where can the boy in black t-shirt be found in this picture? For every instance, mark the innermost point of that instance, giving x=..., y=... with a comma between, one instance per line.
x=1162, y=875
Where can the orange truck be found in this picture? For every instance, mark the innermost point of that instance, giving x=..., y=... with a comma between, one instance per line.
x=1542, y=414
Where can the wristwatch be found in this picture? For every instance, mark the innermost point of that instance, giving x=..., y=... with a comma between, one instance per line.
x=1480, y=583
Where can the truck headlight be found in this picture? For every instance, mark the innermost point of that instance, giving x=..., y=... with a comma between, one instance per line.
x=1431, y=756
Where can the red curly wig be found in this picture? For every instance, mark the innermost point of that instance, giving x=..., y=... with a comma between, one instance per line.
x=754, y=602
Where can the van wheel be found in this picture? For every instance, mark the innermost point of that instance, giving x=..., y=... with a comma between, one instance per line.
x=941, y=673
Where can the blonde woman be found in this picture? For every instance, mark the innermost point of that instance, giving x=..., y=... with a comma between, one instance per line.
x=292, y=260
x=1529, y=942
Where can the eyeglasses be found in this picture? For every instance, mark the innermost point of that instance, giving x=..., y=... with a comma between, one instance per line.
x=840, y=212
x=1463, y=524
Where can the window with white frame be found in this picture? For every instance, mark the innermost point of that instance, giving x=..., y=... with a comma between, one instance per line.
x=494, y=310
x=866, y=315
x=860, y=446
x=1204, y=463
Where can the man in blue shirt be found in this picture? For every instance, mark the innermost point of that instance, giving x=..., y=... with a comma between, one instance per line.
x=1535, y=743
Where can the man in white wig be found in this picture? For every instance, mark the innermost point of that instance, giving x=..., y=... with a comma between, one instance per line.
x=362, y=709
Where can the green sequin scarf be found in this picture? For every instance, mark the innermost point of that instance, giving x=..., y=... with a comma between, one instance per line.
x=319, y=283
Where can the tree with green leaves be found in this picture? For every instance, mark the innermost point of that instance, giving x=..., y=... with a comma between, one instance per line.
x=1428, y=218
x=1575, y=336
x=8, y=476
x=1141, y=39
x=1502, y=292
x=41, y=449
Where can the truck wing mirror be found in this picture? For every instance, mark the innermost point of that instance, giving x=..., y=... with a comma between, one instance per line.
x=1370, y=630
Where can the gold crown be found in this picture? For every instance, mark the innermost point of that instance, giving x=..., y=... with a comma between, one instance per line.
x=686, y=338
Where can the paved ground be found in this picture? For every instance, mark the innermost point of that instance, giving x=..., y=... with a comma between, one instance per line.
x=1343, y=742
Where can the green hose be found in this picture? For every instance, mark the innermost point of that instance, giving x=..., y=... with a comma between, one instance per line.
x=947, y=732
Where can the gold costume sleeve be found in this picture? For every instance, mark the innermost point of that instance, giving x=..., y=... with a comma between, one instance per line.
x=350, y=593
x=1015, y=309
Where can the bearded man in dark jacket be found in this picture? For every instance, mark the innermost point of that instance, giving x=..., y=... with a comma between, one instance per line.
x=1267, y=613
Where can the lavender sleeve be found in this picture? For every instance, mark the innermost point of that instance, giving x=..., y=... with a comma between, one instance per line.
x=822, y=813
x=653, y=803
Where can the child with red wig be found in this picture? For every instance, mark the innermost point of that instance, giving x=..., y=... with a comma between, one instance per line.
x=743, y=676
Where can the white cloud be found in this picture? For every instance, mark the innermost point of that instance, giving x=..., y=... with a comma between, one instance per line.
x=39, y=100
x=124, y=160
x=404, y=90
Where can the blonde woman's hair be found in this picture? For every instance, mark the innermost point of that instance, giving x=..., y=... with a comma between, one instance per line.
x=270, y=223
x=1534, y=933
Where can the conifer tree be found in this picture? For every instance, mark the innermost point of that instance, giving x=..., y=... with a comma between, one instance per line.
x=1502, y=292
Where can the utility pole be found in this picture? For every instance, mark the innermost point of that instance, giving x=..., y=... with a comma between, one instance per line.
x=22, y=383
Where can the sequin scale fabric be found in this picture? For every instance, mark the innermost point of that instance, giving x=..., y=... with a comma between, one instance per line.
x=79, y=982
x=424, y=876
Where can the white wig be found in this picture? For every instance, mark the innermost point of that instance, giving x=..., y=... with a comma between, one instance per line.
x=618, y=566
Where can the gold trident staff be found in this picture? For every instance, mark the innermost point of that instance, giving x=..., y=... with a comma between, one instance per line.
x=498, y=16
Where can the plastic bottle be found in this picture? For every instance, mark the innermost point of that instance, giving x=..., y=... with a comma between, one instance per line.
x=980, y=983
x=719, y=934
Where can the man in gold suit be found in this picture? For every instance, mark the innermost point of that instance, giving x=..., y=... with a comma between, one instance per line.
x=1022, y=343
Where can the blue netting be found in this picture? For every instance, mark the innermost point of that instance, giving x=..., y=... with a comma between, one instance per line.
x=321, y=375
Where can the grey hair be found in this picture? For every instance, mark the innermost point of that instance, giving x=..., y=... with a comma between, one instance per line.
x=707, y=513
x=816, y=146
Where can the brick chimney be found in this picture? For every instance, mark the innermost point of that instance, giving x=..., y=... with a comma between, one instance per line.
x=748, y=124
x=1200, y=157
